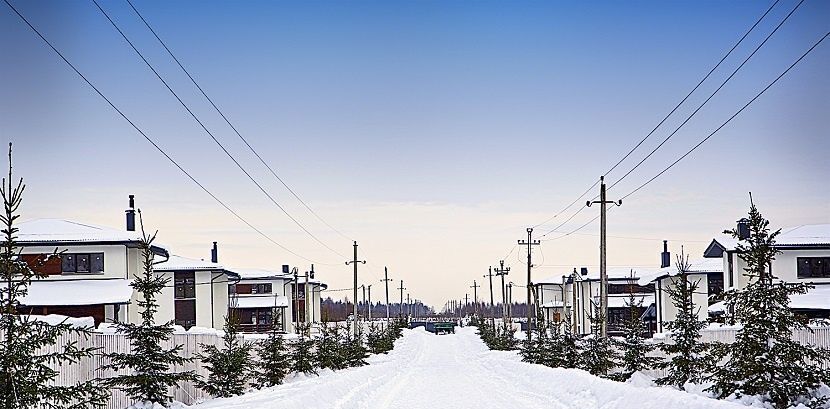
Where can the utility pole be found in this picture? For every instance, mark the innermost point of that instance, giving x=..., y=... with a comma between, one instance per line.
x=400, y=306
x=603, y=273
x=501, y=271
x=408, y=307
x=386, y=281
x=475, y=297
x=529, y=243
x=492, y=315
x=355, y=262
x=370, y=302
x=510, y=302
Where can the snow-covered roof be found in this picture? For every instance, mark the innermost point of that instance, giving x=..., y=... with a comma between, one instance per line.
x=51, y=231
x=256, y=273
x=59, y=230
x=78, y=292
x=642, y=275
x=259, y=301
x=701, y=265
x=804, y=235
x=817, y=298
x=550, y=280
x=185, y=263
x=552, y=304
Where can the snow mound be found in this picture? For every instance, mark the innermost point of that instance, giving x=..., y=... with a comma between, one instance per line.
x=55, y=319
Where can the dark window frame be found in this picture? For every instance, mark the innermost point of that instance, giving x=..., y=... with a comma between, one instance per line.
x=184, y=285
x=70, y=263
x=813, y=267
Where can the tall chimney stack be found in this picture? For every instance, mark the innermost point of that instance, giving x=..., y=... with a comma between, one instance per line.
x=743, y=229
x=214, y=254
x=131, y=214
x=665, y=256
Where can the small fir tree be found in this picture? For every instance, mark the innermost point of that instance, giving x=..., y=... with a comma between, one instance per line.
x=537, y=350
x=328, y=349
x=597, y=356
x=374, y=339
x=635, y=350
x=273, y=364
x=566, y=345
x=689, y=358
x=229, y=366
x=506, y=339
x=764, y=359
x=27, y=375
x=355, y=352
x=302, y=352
x=148, y=377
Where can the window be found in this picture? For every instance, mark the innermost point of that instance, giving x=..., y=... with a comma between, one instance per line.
x=624, y=288
x=185, y=313
x=261, y=288
x=813, y=267
x=83, y=263
x=185, y=285
x=715, y=284
x=231, y=289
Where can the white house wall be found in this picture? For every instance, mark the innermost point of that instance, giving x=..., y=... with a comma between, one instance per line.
x=666, y=311
x=119, y=261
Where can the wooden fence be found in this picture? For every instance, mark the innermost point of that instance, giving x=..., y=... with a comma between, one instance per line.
x=88, y=368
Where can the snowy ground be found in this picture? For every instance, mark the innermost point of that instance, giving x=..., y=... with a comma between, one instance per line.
x=432, y=371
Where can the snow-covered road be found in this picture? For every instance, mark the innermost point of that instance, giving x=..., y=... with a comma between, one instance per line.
x=426, y=371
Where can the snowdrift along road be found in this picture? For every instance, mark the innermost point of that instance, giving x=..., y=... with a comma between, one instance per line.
x=426, y=371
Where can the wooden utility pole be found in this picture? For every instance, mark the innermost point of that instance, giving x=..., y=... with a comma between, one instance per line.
x=369, y=311
x=492, y=306
x=386, y=281
x=501, y=271
x=400, y=306
x=475, y=297
x=603, y=273
x=408, y=307
x=529, y=243
x=355, y=262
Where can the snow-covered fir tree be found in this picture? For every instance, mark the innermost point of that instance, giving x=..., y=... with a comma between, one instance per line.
x=273, y=362
x=635, y=350
x=597, y=355
x=764, y=359
x=537, y=350
x=374, y=338
x=148, y=377
x=355, y=352
x=302, y=352
x=229, y=366
x=689, y=359
x=566, y=345
x=26, y=374
x=328, y=349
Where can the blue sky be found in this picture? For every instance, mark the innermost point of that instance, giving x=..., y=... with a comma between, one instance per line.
x=432, y=132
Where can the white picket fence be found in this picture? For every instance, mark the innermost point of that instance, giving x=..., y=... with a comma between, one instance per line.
x=88, y=368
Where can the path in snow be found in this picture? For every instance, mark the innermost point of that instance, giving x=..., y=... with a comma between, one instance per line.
x=427, y=371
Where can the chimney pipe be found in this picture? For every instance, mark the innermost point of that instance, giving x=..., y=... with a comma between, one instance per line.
x=214, y=254
x=584, y=271
x=743, y=229
x=665, y=256
x=131, y=214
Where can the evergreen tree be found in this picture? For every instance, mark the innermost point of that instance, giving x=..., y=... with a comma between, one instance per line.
x=567, y=345
x=506, y=339
x=537, y=350
x=328, y=350
x=635, y=350
x=597, y=356
x=228, y=366
x=27, y=375
x=689, y=359
x=273, y=363
x=355, y=352
x=374, y=339
x=764, y=359
x=148, y=376
x=302, y=353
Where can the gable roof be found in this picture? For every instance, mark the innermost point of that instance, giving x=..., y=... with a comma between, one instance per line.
x=696, y=266
x=184, y=263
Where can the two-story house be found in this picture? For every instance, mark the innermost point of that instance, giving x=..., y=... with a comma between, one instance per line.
x=198, y=291
x=261, y=298
x=804, y=256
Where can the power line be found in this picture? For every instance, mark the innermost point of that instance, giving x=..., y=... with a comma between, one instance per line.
x=710, y=96
x=693, y=89
x=731, y=117
x=222, y=114
x=662, y=121
x=202, y=125
x=150, y=140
